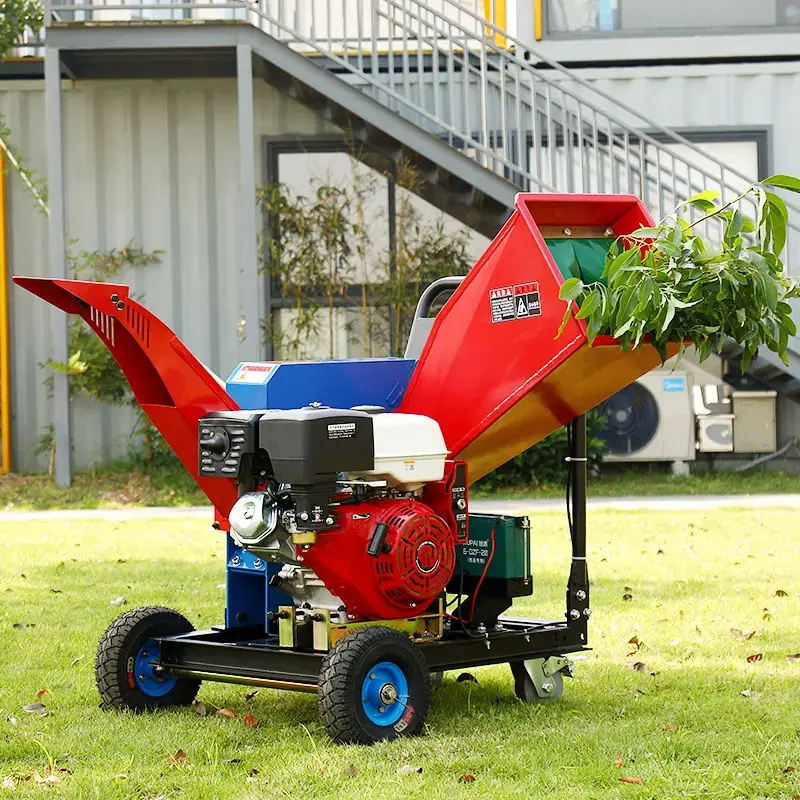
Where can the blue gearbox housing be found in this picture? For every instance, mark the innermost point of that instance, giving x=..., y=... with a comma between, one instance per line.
x=259, y=385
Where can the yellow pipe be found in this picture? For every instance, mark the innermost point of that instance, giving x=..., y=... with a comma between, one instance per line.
x=537, y=20
x=5, y=372
x=495, y=12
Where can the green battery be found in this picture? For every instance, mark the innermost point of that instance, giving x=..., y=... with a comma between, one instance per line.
x=512, y=546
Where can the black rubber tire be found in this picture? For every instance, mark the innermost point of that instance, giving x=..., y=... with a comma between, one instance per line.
x=344, y=669
x=526, y=691
x=122, y=641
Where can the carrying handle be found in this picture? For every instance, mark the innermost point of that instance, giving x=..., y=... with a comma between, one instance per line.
x=438, y=287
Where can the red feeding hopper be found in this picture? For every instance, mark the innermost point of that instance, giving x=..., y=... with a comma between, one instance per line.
x=494, y=373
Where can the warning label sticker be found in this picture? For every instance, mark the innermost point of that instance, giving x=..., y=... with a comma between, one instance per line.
x=249, y=372
x=515, y=302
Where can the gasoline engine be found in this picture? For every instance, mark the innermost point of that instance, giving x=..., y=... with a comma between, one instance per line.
x=361, y=508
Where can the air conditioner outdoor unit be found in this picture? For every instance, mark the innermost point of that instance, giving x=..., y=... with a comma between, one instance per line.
x=651, y=420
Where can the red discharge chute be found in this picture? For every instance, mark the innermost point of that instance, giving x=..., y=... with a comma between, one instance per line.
x=173, y=388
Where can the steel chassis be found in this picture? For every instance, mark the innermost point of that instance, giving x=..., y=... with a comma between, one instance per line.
x=248, y=656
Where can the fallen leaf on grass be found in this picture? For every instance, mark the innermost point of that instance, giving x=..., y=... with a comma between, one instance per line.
x=627, y=597
x=781, y=593
x=351, y=770
x=75, y=660
x=178, y=757
x=250, y=721
x=41, y=692
x=408, y=769
x=466, y=677
x=788, y=770
x=629, y=779
x=44, y=778
x=251, y=695
x=755, y=657
x=23, y=626
x=793, y=657
x=467, y=778
x=34, y=708
x=200, y=709
x=119, y=601
x=122, y=560
x=745, y=693
x=9, y=783
x=640, y=666
x=619, y=763
x=226, y=712
x=671, y=728
x=745, y=635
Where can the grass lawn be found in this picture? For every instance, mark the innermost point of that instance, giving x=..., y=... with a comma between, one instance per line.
x=123, y=485
x=700, y=721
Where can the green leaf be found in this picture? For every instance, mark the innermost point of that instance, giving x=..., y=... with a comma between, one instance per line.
x=624, y=329
x=747, y=358
x=787, y=182
x=625, y=258
x=709, y=195
x=571, y=289
x=590, y=304
x=669, y=315
x=646, y=233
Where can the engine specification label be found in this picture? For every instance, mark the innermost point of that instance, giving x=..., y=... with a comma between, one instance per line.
x=342, y=430
x=515, y=302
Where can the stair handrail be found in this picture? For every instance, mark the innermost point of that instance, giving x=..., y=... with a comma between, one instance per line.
x=505, y=52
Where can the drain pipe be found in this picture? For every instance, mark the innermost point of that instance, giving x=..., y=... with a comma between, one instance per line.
x=764, y=459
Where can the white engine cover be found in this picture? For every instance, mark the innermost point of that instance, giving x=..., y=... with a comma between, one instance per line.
x=409, y=451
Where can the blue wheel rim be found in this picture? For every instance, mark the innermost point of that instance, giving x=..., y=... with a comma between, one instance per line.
x=384, y=694
x=153, y=683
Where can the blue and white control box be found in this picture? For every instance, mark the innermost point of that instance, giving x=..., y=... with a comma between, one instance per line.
x=338, y=384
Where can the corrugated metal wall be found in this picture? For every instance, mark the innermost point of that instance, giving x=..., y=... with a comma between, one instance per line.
x=153, y=162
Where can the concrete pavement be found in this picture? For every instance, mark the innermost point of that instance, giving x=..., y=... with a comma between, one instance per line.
x=664, y=503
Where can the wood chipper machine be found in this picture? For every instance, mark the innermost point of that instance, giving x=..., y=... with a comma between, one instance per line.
x=355, y=567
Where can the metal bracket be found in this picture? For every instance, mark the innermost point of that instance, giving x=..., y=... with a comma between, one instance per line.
x=541, y=670
x=286, y=620
x=560, y=664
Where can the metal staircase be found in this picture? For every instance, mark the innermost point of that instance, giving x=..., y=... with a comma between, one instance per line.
x=481, y=113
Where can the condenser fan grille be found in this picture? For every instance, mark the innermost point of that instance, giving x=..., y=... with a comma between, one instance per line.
x=631, y=420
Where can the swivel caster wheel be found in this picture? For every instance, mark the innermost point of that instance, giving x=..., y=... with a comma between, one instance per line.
x=374, y=685
x=533, y=684
x=126, y=666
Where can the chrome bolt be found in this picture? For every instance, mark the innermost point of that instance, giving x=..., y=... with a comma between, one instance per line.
x=547, y=686
x=462, y=504
x=567, y=231
x=141, y=677
x=580, y=594
x=609, y=232
x=257, y=562
x=575, y=614
x=382, y=709
x=329, y=520
x=372, y=676
x=304, y=516
x=236, y=561
x=300, y=558
x=587, y=612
